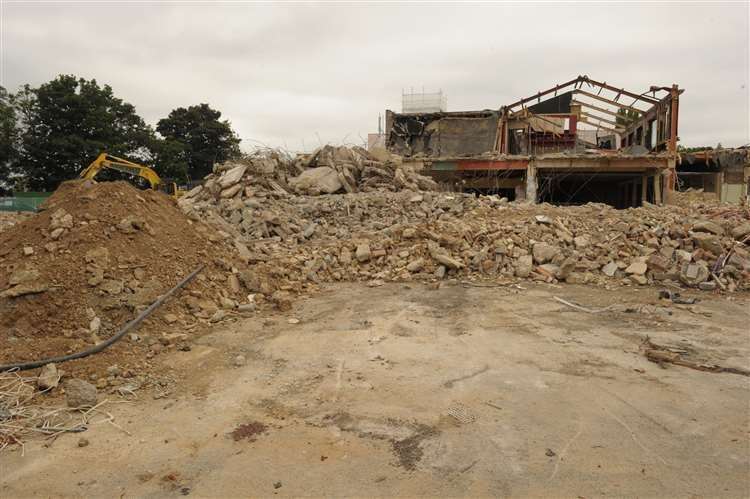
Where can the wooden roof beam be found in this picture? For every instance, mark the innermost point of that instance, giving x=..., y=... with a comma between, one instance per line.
x=549, y=91
x=608, y=101
x=622, y=91
x=595, y=108
x=614, y=123
x=584, y=120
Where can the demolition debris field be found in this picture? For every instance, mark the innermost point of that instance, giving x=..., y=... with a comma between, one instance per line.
x=351, y=319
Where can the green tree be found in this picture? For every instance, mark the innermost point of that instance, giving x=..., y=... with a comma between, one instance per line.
x=169, y=159
x=68, y=122
x=8, y=136
x=206, y=139
x=626, y=116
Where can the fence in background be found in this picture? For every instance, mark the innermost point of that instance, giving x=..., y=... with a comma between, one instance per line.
x=23, y=201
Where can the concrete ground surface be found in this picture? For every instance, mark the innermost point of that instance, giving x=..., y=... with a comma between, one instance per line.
x=406, y=390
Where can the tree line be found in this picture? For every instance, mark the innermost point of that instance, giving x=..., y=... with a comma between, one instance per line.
x=50, y=133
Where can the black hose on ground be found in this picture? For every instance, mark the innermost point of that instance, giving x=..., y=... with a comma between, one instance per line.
x=22, y=366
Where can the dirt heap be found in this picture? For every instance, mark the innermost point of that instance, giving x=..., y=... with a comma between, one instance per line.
x=296, y=241
x=10, y=218
x=96, y=255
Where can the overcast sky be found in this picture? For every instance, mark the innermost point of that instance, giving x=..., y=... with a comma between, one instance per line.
x=296, y=75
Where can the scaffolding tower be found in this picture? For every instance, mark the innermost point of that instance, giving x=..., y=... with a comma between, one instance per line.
x=423, y=102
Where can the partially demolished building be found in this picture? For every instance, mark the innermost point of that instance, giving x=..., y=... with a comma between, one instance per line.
x=580, y=141
x=725, y=173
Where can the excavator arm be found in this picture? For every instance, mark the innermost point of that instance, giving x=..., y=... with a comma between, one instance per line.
x=105, y=160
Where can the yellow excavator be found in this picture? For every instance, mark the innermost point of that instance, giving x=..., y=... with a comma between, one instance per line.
x=107, y=161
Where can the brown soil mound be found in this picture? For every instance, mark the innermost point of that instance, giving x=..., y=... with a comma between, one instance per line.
x=10, y=218
x=96, y=255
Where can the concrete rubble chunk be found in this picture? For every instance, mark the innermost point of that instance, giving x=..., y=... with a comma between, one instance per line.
x=61, y=219
x=232, y=176
x=49, y=377
x=26, y=288
x=230, y=192
x=639, y=279
x=112, y=286
x=363, y=252
x=449, y=262
x=409, y=233
x=80, y=394
x=523, y=266
x=708, y=226
x=24, y=275
x=441, y=256
x=549, y=270
x=218, y=316
x=415, y=265
x=234, y=283
x=581, y=242
x=567, y=267
x=741, y=231
x=440, y=272
x=131, y=224
x=95, y=325
x=693, y=274
x=57, y=233
x=609, y=269
x=321, y=180
x=544, y=252
x=708, y=242
x=637, y=268
x=242, y=251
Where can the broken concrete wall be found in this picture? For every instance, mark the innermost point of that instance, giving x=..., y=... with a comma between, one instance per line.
x=441, y=134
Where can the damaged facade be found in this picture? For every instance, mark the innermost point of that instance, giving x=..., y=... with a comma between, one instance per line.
x=580, y=141
x=722, y=172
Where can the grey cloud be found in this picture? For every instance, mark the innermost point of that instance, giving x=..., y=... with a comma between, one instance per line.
x=297, y=75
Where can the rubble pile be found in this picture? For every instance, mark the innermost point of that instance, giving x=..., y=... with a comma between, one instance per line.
x=292, y=242
x=333, y=169
x=263, y=195
x=328, y=170
x=97, y=254
x=94, y=257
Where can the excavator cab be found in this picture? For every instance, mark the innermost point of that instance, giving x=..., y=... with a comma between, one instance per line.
x=169, y=188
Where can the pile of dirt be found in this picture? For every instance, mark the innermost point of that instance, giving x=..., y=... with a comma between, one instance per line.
x=10, y=218
x=90, y=261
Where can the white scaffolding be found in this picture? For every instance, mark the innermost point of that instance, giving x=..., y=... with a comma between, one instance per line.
x=423, y=102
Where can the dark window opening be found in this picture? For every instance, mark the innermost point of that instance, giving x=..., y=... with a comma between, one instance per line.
x=620, y=190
